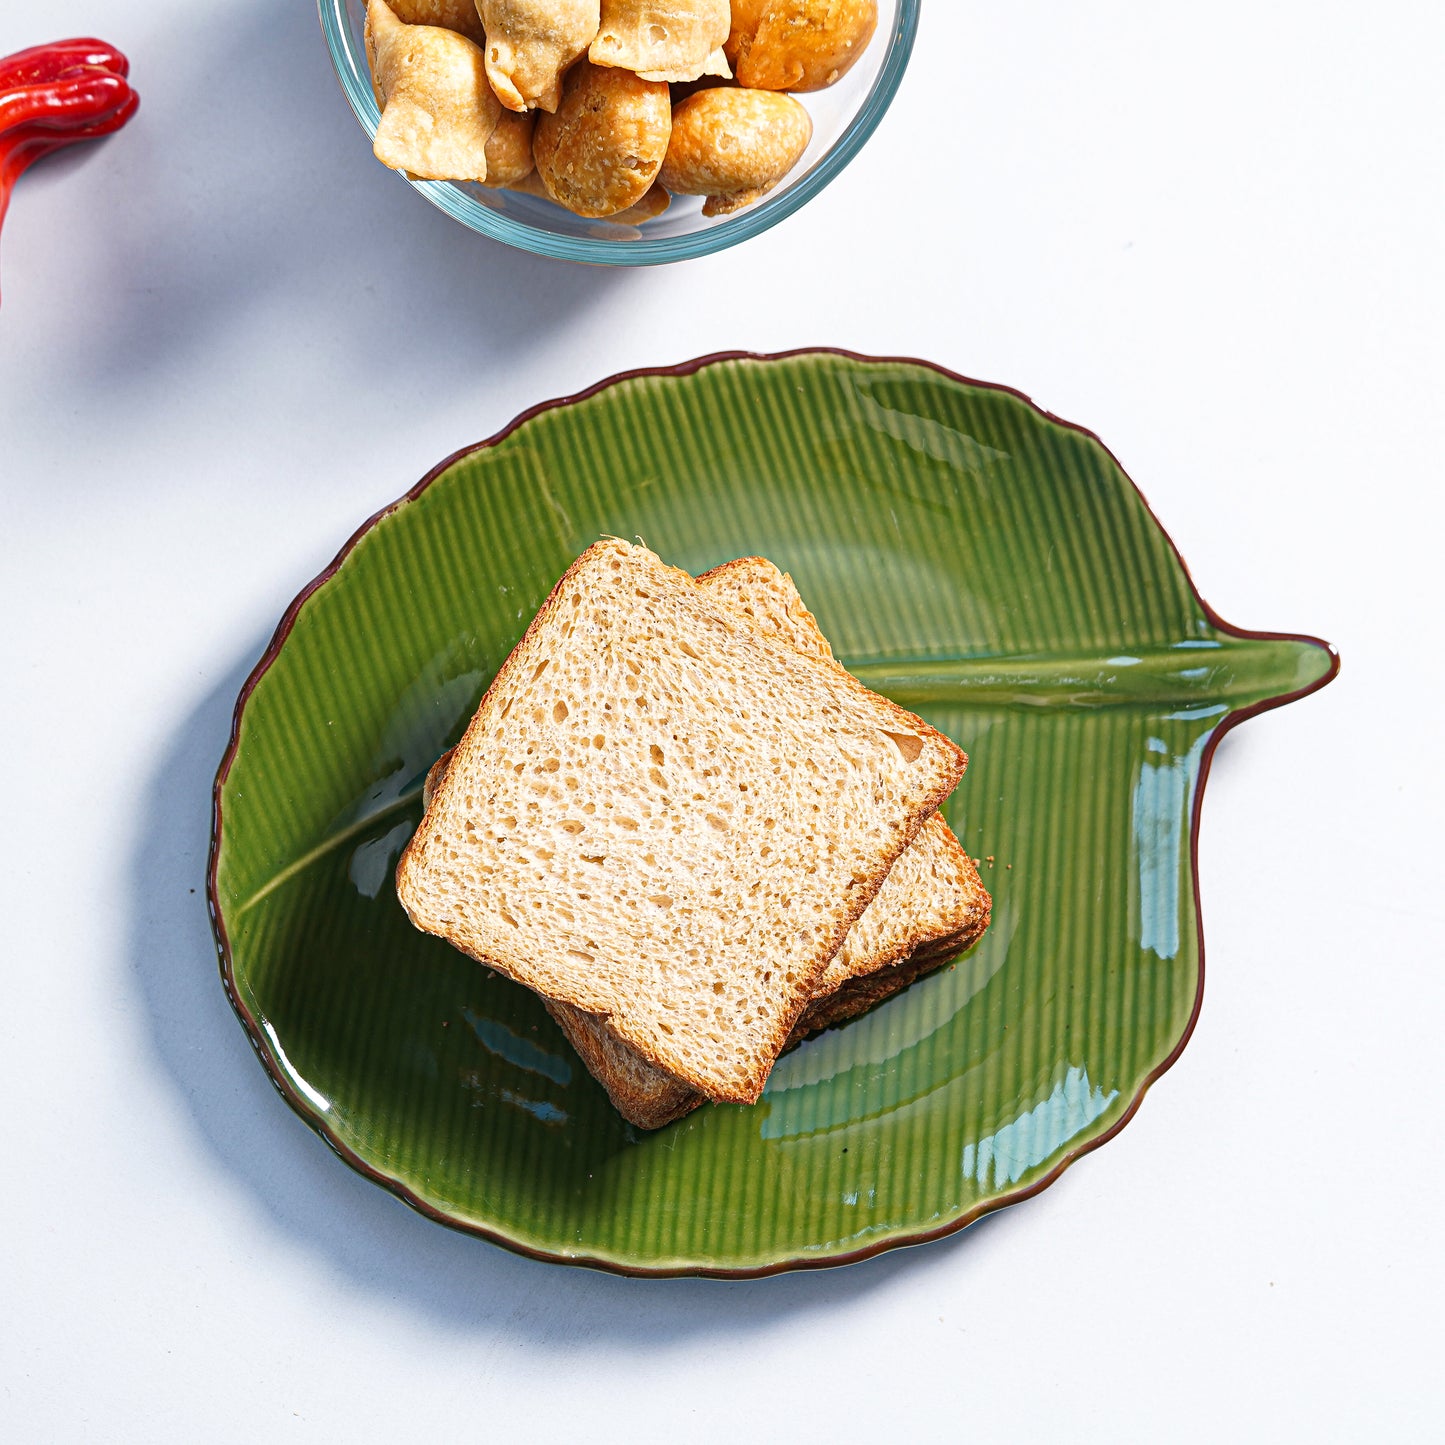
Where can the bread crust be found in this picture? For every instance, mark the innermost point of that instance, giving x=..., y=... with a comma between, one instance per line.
x=643, y=1094
x=867, y=991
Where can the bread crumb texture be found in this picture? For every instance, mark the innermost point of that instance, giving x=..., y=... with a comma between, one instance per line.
x=662, y=817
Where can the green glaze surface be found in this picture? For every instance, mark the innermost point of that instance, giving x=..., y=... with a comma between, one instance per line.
x=977, y=560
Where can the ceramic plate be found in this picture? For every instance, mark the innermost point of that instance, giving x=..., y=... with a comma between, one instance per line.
x=970, y=556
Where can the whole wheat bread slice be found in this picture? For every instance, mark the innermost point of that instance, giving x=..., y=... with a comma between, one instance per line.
x=662, y=817
x=931, y=906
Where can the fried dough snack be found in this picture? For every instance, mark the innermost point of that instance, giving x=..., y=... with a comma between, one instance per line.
x=798, y=44
x=671, y=40
x=438, y=112
x=458, y=15
x=733, y=146
x=529, y=45
x=601, y=150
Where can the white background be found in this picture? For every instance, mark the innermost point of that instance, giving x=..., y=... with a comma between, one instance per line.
x=1212, y=234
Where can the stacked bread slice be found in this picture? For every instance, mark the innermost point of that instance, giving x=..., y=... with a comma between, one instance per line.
x=684, y=825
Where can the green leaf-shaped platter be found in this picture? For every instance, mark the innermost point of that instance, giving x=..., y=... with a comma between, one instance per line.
x=968, y=555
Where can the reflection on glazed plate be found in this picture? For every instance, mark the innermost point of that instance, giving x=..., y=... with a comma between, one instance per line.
x=982, y=562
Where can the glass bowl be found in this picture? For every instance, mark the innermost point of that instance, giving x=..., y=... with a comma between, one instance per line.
x=844, y=116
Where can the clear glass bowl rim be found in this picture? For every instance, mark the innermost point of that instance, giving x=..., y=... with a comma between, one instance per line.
x=646, y=251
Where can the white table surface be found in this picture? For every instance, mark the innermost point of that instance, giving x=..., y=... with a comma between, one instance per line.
x=1213, y=236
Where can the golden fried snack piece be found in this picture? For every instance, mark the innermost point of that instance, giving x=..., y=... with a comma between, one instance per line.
x=602, y=149
x=798, y=44
x=458, y=15
x=530, y=43
x=672, y=40
x=733, y=146
x=509, y=151
x=437, y=110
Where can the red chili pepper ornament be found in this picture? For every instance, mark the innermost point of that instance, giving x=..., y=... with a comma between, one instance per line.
x=54, y=95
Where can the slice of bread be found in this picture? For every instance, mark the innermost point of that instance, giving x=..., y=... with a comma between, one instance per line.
x=662, y=817
x=931, y=906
